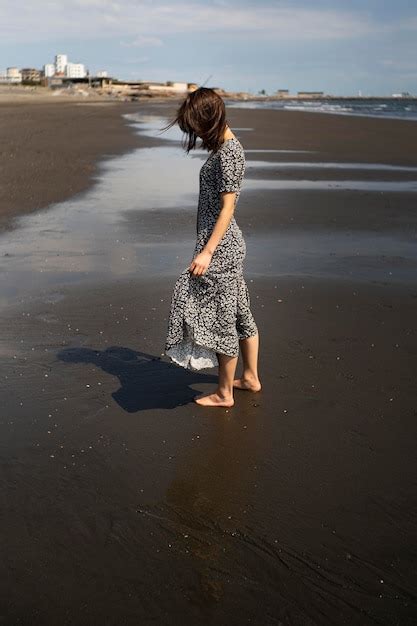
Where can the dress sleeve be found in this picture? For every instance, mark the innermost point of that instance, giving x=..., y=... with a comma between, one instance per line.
x=232, y=166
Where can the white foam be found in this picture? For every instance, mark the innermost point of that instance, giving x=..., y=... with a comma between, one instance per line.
x=283, y=151
x=380, y=186
x=331, y=165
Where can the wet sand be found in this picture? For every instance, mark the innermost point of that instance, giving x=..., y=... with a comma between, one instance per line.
x=122, y=502
x=50, y=151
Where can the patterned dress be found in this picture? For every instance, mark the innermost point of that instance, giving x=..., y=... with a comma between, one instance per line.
x=211, y=312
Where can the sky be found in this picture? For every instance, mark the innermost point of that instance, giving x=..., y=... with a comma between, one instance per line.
x=341, y=47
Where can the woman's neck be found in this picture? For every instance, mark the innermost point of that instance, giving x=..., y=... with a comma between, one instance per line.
x=227, y=134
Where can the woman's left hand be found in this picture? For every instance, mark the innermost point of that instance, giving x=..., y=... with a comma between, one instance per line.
x=200, y=263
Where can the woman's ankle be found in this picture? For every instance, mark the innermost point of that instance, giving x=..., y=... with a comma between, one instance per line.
x=250, y=375
x=225, y=392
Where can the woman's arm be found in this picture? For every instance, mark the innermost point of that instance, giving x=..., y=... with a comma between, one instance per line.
x=201, y=262
x=232, y=165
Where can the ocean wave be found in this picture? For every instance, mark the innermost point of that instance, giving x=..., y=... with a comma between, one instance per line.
x=388, y=108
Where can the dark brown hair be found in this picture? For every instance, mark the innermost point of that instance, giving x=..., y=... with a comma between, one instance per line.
x=201, y=114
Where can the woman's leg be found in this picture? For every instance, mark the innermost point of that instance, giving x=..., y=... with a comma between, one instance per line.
x=250, y=380
x=223, y=395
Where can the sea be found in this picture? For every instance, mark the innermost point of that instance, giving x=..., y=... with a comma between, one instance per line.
x=403, y=108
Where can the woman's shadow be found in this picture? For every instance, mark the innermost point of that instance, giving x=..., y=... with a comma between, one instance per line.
x=146, y=381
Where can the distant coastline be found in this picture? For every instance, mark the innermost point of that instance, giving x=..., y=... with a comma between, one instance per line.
x=135, y=92
x=393, y=107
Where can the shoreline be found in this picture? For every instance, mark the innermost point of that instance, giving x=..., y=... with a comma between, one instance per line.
x=52, y=152
x=63, y=168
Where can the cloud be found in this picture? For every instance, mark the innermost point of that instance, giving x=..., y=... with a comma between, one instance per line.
x=98, y=4
x=146, y=21
x=142, y=41
x=400, y=65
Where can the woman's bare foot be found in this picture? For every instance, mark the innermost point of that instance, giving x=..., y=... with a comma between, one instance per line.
x=214, y=399
x=248, y=384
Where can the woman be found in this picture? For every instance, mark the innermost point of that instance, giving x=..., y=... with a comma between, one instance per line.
x=210, y=314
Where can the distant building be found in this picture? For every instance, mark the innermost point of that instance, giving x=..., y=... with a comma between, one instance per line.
x=61, y=61
x=168, y=87
x=30, y=75
x=13, y=75
x=310, y=94
x=177, y=86
x=403, y=94
x=49, y=70
x=102, y=74
x=75, y=70
x=283, y=93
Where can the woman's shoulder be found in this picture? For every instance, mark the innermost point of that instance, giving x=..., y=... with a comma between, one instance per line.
x=233, y=142
x=231, y=146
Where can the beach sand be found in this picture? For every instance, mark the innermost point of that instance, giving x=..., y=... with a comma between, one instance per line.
x=122, y=501
x=49, y=150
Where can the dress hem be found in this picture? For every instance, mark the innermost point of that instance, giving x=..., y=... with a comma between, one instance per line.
x=193, y=356
x=190, y=354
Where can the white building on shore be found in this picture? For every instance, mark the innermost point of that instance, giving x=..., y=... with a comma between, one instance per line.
x=61, y=61
x=64, y=68
x=75, y=70
x=11, y=75
x=48, y=70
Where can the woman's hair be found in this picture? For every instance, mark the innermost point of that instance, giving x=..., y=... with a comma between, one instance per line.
x=201, y=114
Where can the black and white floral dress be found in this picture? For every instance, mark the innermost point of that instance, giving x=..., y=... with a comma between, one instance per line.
x=211, y=312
